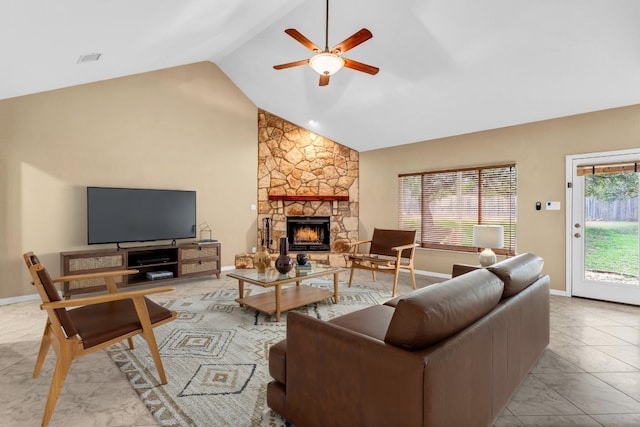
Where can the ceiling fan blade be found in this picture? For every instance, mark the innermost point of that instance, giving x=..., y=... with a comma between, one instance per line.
x=302, y=39
x=291, y=64
x=350, y=42
x=359, y=66
x=324, y=80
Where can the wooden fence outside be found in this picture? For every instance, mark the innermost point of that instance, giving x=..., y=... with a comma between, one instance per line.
x=617, y=210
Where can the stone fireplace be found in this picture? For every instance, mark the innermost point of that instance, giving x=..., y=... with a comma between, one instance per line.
x=308, y=233
x=304, y=175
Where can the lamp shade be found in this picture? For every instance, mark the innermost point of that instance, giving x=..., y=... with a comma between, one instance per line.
x=326, y=63
x=488, y=236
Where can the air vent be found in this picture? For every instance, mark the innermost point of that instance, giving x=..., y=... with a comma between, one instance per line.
x=91, y=57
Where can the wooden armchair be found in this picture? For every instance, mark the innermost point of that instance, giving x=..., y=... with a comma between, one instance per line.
x=389, y=251
x=76, y=327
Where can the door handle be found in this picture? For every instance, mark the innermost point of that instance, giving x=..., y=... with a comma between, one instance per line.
x=577, y=235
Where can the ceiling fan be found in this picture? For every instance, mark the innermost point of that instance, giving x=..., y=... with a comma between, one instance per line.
x=328, y=61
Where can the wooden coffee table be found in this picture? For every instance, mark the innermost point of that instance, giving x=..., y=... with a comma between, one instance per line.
x=283, y=299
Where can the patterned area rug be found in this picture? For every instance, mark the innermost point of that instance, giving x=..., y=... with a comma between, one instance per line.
x=216, y=358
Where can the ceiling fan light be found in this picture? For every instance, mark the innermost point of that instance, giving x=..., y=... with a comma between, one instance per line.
x=326, y=63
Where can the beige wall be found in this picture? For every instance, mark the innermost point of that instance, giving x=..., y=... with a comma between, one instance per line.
x=539, y=149
x=187, y=128
x=191, y=128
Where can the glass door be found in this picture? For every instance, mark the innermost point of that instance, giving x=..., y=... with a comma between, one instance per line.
x=604, y=237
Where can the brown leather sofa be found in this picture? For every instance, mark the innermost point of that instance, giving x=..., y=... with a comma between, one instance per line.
x=450, y=354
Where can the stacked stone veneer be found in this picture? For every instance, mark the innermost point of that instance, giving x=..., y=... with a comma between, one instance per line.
x=292, y=161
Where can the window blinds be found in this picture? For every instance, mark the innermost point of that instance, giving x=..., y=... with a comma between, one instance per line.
x=443, y=206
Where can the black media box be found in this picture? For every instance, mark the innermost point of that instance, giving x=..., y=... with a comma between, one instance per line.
x=155, y=275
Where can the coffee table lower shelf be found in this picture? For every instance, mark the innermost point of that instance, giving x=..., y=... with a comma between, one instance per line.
x=291, y=297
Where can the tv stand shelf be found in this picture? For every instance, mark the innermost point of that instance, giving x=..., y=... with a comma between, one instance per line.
x=165, y=263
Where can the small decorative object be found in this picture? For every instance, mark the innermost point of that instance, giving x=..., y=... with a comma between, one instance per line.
x=302, y=259
x=303, y=263
x=262, y=260
x=266, y=233
x=284, y=263
x=205, y=233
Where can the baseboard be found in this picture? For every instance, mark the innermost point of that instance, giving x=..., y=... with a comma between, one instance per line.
x=430, y=273
x=22, y=298
x=559, y=293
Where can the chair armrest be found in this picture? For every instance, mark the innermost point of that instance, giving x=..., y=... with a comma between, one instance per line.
x=403, y=247
x=360, y=242
x=355, y=245
x=99, y=275
x=98, y=299
x=400, y=249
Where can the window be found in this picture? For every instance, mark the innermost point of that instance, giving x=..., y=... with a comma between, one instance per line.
x=443, y=206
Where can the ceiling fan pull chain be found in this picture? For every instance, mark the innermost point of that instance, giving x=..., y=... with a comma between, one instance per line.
x=326, y=30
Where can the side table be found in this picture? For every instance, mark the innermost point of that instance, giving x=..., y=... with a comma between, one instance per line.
x=459, y=269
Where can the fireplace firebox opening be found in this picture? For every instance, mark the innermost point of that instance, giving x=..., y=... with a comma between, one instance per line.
x=308, y=233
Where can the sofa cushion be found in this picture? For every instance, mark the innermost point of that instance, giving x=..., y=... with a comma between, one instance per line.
x=436, y=312
x=371, y=321
x=518, y=272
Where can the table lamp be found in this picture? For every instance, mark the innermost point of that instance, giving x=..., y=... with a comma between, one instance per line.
x=488, y=237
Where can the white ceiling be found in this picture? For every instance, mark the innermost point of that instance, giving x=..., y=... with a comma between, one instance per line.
x=447, y=67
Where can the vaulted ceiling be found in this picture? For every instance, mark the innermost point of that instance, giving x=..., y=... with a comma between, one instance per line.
x=447, y=67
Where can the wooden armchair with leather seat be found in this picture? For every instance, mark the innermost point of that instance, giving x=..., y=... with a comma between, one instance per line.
x=389, y=252
x=76, y=327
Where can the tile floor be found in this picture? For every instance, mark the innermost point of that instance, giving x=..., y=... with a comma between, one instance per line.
x=588, y=376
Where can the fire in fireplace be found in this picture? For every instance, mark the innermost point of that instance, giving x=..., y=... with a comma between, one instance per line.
x=308, y=233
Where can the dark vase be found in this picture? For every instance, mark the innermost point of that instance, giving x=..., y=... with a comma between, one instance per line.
x=302, y=259
x=284, y=263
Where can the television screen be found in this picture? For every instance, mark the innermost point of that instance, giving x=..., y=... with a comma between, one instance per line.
x=117, y=215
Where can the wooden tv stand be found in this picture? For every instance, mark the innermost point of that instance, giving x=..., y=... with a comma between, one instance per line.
x=169, y=262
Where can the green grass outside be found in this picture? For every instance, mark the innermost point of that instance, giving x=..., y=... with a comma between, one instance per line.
x=612, y=247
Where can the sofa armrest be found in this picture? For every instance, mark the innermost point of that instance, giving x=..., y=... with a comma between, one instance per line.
x=331, y=371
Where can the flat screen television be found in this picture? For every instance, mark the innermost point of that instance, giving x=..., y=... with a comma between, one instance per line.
x=119, y=215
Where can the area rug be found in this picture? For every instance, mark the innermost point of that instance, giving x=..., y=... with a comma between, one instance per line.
x=215, y=355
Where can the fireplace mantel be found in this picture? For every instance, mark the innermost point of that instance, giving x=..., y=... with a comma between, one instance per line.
x=308, y=198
